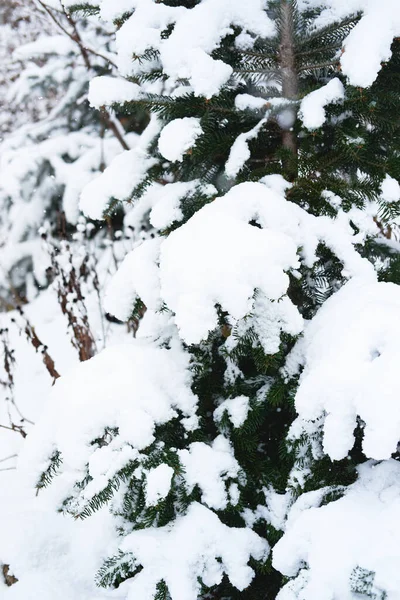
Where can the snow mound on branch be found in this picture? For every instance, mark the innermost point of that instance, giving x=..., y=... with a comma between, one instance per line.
x=167, y=206
x=158, y=484
x=312, y=108
x=137, y=277
x=351, y=356
x=390, y=189
x=49, y=44
x=209, y=467
x=197, y=545
x=120, y=178
x=368, y=44
x=112, y=9
x=126, y=172
x=106, y=90
x=268, y=319
x=240, y=151
x=111, y=390
x=185, y=54
x=244, y=241
x=340, y=544
x=219, y=257
x=236, y=408
x=178, y=137
x=248, y=102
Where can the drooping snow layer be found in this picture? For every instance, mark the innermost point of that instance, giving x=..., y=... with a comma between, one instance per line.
x=351, y=357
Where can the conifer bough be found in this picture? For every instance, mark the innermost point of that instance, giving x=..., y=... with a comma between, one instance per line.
x=245, y=444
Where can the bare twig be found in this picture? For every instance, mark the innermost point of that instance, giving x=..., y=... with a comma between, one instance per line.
x=72, y=302
x=8, y=457
x=17, y=428
x=84, y=50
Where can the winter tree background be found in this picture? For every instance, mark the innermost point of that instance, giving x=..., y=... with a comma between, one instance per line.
x=199, y=299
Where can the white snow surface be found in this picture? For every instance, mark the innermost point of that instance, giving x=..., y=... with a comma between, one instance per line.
x=240, y=151
x=185, y=54
x=390, y=189
x=368, y=44
x=49, y=44
x=312, y=106
x=178, y=136
x=42, y=545
x=350, y=354
x=111, y=390
x=158, y=484
x=120, y=178
x=209, y=467
x=218, y=257
x=105, y=90
x=118, y=181
x=237, y=409
x=324, y=546
x=137, y=277
x=349, y=351
x=187, y=549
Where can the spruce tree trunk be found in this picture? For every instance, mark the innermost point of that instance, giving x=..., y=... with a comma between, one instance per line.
x=290, y=85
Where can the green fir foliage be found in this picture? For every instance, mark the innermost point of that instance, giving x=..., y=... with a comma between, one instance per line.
x=349, y=156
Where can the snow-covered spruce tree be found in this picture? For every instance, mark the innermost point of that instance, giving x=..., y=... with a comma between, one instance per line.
x=261, y=392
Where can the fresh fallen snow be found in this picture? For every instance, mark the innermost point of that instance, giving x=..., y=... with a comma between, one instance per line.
x=350, y=354
x=106, y=90
x=49, y=44
x=390, y=189
x=327, y=548
x=195, y=545
x=40, y=543
x=197, y=32
x=368, y=44
x=120, y=178
x=248, y=102
x=235, y=252
x=209, y=467
x=114, y=389
x=158, y=484
x=166, y=207
x=111, y=390
x=219, y=257
x=136, y=278
x=312, y=107
x=240, y=151
x=178, y=137
x=185, y=54
x=236, y=408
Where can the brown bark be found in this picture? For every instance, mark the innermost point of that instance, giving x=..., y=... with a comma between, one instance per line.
x=290, y=85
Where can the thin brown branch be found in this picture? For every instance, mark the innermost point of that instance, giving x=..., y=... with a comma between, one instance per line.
x=76, y=37
x=8, y=457
x=112, y=126
x=290, y=81
x=17, y=428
